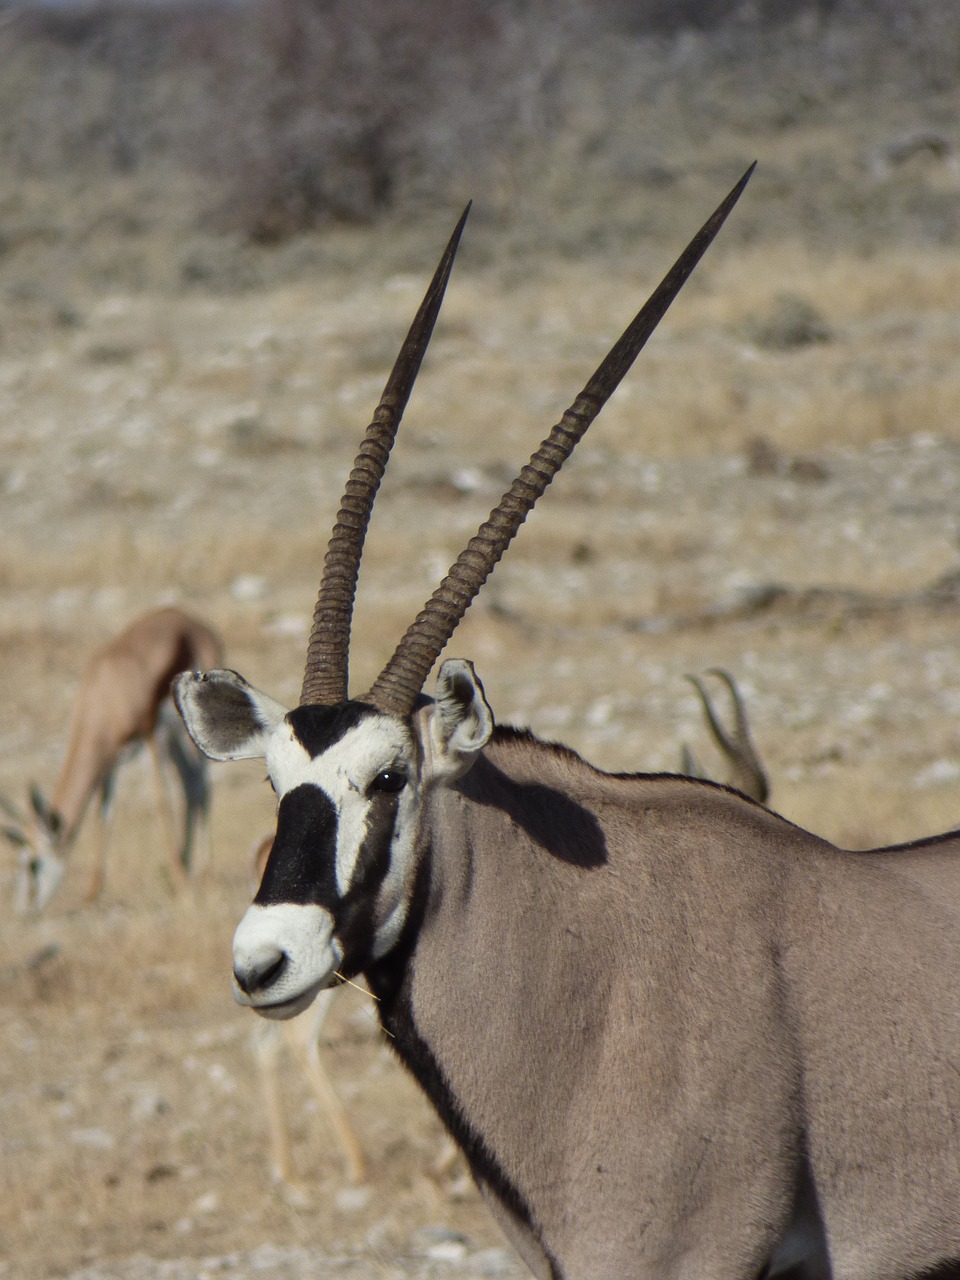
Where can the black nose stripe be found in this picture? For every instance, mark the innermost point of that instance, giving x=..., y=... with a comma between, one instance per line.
x=301, y=868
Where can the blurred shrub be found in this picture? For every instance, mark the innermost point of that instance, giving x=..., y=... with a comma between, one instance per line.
x=333, y=108
x=788, y=323
x=292, y=112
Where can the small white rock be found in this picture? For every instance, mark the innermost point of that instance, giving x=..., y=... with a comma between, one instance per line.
x=247, y=587
x=353, y=1199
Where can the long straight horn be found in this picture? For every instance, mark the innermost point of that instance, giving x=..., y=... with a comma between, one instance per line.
x=325, y=676
x=399, y=684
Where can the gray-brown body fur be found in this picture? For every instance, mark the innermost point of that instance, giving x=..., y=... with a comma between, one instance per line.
x=672, y=1032
x=648, y=1043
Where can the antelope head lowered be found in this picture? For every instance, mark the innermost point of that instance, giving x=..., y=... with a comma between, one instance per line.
x=674, y=1035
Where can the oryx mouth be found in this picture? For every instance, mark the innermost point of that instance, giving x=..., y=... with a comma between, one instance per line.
x=281, y=980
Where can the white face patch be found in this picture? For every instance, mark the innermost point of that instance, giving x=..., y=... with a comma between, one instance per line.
x=39, y=874
x=299, y=942
x=344, y=773
x=350, y=774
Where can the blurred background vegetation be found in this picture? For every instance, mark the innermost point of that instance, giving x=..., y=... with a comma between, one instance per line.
x=259, y=119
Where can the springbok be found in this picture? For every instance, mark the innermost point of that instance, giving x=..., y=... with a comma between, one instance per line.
x=123, y=700
x=673, y=1034
x=745, y=769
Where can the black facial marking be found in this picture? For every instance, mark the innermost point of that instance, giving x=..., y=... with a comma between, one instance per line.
x=389, y=782
x=301, y=867
x=354, y=914
x=388, y=975
x=317, y=728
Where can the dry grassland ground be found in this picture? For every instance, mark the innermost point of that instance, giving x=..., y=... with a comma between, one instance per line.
x=754, y=497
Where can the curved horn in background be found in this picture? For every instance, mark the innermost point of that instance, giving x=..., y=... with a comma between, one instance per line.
x=325, y=675
x=748, y=773
x=398, y=686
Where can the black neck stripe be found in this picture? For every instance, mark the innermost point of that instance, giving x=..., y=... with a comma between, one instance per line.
x=397, y=1017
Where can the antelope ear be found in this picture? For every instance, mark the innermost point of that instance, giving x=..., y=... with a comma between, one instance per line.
x=226, y=717
x=460, y=722
x=38, y=803
x=49, y=819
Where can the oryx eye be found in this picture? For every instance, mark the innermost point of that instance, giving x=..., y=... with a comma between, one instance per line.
x=389, y=782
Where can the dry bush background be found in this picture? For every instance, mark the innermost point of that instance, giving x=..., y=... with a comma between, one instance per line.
x=215, y=223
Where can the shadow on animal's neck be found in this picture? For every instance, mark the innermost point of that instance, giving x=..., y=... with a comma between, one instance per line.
x=553, y=820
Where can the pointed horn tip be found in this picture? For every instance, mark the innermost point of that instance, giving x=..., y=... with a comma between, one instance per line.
x=738, y=186
x=454, y=242
x=726, y=205
x=601, y=385
x=736, y=191
x=722, y=674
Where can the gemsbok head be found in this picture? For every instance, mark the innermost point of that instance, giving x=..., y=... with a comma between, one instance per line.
x=674, y=1035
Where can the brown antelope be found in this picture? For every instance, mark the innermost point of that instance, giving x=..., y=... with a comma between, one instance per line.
x=745, y=770
x=123, y=700
x=673, y=1034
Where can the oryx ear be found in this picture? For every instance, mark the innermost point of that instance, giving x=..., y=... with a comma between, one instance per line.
x=49, y=819
x=460, y=721
x=225, y=716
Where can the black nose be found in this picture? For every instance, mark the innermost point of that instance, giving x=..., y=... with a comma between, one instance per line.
x=260, y=973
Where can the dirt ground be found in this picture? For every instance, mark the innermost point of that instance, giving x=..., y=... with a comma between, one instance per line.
x=774, y=490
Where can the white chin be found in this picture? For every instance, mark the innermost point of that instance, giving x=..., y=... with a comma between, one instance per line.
x=280, y=1010
x=297, y=941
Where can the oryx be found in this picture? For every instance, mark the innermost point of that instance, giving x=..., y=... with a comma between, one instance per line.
x=673, y=1034
x=302, y=1034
